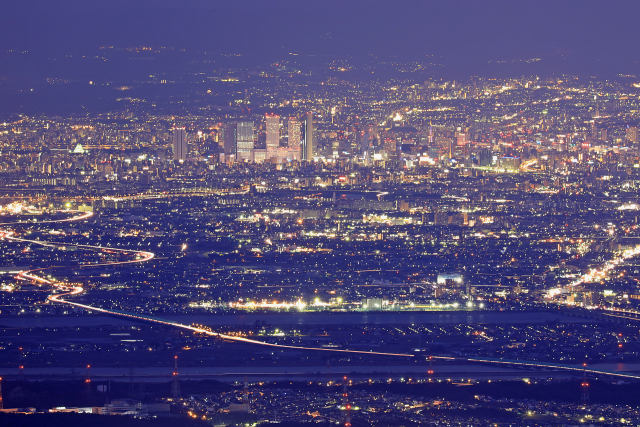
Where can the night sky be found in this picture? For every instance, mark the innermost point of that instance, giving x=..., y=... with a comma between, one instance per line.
x=584, y=35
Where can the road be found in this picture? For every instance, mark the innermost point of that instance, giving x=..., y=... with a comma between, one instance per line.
x=64, y=292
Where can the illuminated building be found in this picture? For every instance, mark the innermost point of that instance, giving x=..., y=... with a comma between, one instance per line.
x=244, y=141
x=294, y=138
x=259, y=155
x=307, y=140
x=461, y=139
x=273, y=135
x=228, y=138
x=179, y=145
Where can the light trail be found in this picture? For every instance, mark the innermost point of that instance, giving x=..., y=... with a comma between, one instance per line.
x=79, y=217
x=578, y=369
x=619, y=316
x=70, y=290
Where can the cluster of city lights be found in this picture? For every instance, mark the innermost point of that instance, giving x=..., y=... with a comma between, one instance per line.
x=66, y=290
x=597, y=274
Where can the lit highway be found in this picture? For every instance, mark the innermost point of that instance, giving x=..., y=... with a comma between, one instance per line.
x=597, y=275
x=65, y=291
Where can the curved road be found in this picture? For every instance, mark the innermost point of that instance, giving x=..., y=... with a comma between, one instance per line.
x=65, y=291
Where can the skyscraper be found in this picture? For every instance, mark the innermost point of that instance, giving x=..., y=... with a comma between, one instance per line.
x=461, y=138
x=229, y=139
x=294, y=138
x=273, y=135
x=307, y=141
x=180, y=148
x=244, y=141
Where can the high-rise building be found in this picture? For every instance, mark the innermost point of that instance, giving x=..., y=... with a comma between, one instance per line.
x=244, y=141
x=180, y=148
x=307, y=141
x=632, y=134
x=603, y=134
x=294, y=138
x=228, y=138
x=485, y=157
x=369, y=139
x=273, y=135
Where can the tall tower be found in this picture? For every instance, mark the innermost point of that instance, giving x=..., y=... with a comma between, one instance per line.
x=345, y=402
x=293, y=129
x=244, y=141
x=584, y=386
x=273, y=135
x=175, y=385
x=229, y=139
x=245, y=395
x=308, y=147
x=179, y=139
